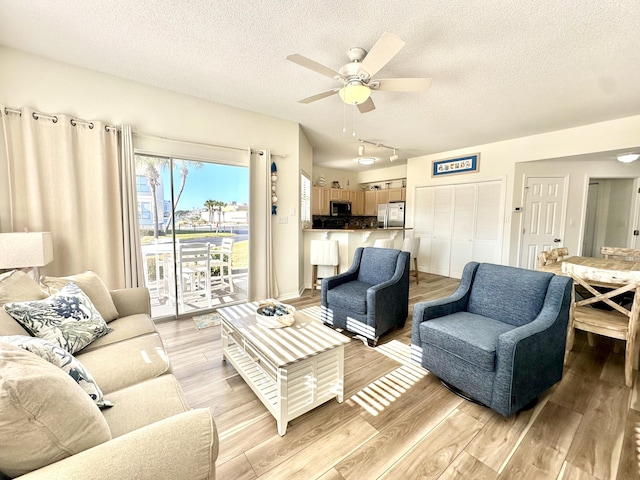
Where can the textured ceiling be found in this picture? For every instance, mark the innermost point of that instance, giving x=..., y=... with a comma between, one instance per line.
x=501, y=69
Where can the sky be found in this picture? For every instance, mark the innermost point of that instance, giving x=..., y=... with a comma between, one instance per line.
x=209, y=182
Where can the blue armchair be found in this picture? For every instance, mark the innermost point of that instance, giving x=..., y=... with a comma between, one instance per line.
x=370, y=298
x=499, y=339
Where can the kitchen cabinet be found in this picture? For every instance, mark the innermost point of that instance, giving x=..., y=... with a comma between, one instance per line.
x=320, y=197
x=397, y=194
x=357, y=202
x=371, y=202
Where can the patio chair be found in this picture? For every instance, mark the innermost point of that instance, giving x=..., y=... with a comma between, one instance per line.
x=221, y=259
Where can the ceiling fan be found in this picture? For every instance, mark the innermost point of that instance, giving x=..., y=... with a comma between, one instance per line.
x=356, y=76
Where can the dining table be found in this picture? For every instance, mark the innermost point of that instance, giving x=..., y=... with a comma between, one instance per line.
x=617, y=264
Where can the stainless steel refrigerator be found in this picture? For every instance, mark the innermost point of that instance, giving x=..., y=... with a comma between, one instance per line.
x=391, y=215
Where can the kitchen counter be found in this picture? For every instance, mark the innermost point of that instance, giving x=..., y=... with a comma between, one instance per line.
x=348, y=240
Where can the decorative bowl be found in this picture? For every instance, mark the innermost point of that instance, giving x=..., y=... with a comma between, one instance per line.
x=275, y=315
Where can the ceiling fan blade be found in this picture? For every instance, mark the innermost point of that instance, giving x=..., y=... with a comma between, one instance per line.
x=402, y=84
x=387, y=46
x=312, y=65
x=319, y=96
x=366, y=106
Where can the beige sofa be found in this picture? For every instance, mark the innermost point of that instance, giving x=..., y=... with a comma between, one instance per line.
x=153, y=433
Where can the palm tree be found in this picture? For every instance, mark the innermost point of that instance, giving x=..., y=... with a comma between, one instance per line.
x=150, y=166
x=210, y=205
x=184, y=172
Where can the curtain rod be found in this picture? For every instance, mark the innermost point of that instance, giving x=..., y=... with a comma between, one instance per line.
x=54, y=119
x=204, y=144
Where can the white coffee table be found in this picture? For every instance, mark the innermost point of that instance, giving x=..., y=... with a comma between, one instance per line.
x=292, y=369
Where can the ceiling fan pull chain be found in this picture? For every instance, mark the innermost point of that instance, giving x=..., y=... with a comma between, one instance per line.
x=353, y=123
x=344, y=117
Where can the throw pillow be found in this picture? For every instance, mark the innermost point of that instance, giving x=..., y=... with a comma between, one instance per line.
x=17, y=286
x=67, y=318
x=45, y=416
x=92, y=285
x=59, y=357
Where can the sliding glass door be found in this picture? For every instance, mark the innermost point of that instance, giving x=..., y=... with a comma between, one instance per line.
x=194, y=233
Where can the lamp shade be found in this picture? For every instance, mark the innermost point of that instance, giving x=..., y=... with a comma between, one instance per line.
x=354, y=93
x=25, y=249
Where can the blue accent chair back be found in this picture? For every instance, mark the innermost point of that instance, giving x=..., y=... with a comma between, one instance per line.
x=370, y=298
x=499, y=338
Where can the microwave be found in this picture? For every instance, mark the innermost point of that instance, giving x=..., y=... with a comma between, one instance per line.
x=339, y=208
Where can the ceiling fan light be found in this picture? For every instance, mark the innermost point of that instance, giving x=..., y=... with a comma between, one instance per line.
x=354, y=93
x=366, y=161
x=628, y=157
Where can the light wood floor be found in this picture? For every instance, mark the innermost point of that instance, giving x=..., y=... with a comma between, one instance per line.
x=399, y=422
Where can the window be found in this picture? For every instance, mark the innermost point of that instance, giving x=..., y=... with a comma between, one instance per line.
x=305, y=199
x=145, y=211
x=142, y=184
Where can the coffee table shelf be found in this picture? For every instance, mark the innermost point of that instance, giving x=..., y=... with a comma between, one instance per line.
x=291, y=370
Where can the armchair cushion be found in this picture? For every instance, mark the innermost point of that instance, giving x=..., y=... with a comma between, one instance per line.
x=476, y=343
x=377, y=265
x=508, y=294
x=350, y=295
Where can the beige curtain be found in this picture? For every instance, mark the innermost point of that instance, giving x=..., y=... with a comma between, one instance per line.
x=133, y=273
x=65, y=179
x=263, y=283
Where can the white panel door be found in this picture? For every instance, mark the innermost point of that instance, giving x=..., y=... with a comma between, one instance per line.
x=543, y=217
x=464, y=206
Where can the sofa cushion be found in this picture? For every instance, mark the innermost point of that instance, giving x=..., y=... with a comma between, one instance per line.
x=124, y=328
x=92, y=285
x=17, y=286
x=67, y=318
x=45, y=417
x=471, y=337
x=59, y=357
x=349, y=296
x=144, y=403
x=509, y=294
x=126, y=363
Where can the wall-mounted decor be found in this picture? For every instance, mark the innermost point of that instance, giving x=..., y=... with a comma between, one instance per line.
x=274, y=196
x=468, y=164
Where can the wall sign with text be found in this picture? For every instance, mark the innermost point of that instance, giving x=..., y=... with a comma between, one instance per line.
x=470, y=163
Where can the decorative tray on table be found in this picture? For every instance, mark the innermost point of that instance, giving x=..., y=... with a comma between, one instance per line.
x=275, y=315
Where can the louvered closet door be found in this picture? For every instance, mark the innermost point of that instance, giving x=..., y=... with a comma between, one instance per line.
x=458, y=224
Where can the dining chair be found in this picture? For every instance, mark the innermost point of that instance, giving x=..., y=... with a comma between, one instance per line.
x=620, y=252
x=383, y=243
x=323, y=253
x=412, y=245
x=618, y=322
x=220, y=263
x=551, y=256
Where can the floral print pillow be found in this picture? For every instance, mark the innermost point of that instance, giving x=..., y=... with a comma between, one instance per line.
x=66, y=318
x=59, y=357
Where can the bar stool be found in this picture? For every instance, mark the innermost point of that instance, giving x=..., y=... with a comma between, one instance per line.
x=412, y=245
x=323, y=253
x=383, y=243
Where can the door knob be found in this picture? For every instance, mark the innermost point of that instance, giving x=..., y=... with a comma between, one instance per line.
x=556, y=240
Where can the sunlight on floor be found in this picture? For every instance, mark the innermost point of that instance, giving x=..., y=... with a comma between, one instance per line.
x=378, y=395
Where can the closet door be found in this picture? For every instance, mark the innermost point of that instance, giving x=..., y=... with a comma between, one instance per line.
x=487, y=240
x=442, y=226
x=423, y=218
x=463, y=226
